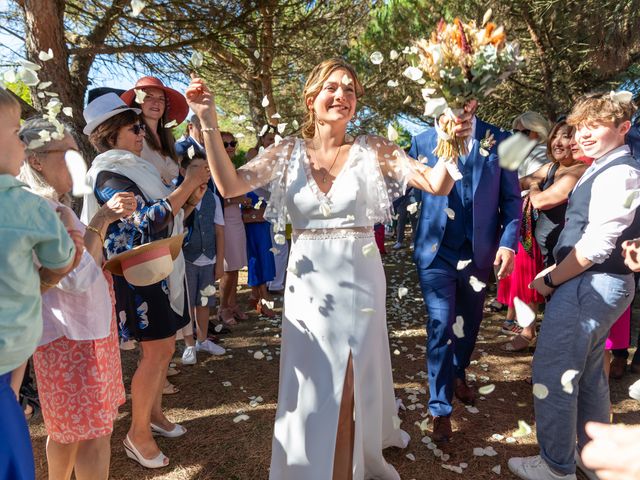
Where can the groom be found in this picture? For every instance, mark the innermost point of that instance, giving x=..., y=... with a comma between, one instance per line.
x=459, y=238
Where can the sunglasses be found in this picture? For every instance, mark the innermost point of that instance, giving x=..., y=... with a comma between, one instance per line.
x=138, y=127
x=232, y=143
x=524, y=131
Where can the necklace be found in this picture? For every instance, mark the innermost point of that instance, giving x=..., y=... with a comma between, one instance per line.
x=328, y=172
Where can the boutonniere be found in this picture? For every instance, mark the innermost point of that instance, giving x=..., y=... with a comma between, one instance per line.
x=487, y=143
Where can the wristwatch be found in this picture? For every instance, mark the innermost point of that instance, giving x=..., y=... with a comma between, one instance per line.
x=547, y=281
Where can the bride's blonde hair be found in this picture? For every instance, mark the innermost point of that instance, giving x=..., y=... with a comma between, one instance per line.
x=313, y=86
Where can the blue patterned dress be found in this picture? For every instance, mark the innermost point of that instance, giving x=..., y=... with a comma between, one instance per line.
x=144, y=313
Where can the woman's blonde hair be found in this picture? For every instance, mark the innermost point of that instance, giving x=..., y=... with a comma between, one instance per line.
x=601, y=107
x=535, y=122
x=30, y=131
x=313, y=86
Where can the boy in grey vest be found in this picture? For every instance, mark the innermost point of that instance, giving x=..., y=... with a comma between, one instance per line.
x=203, y=251
x=589, y=288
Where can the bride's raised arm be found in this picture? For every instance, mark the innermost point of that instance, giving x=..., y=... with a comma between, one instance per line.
x=260, y=171
x=406, y=171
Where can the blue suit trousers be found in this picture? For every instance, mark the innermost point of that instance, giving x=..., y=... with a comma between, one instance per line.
x=447, y=294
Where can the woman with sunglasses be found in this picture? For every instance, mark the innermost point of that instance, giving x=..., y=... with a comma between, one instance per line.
x=152, y=314
x=235, y=247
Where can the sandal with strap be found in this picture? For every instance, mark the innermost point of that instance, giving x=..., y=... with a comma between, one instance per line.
x=239, y=314
x=159, y=461
x=519, y=343
x=225, y=315
x=169, y=388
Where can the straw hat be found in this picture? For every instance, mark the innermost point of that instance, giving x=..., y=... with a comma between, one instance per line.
x=147, y=264
x=176, y=107
x=103, y=108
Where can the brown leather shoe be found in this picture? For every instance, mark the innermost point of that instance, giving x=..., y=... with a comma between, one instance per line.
x=441, y=429
x=464, y=392
x=617, y=368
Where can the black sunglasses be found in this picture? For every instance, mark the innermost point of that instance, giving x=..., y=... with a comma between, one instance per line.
x=524, y=131
x=232, y=143
x=138, y=127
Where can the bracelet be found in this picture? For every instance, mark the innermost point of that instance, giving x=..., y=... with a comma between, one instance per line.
x=96, y=231
x=209, y=129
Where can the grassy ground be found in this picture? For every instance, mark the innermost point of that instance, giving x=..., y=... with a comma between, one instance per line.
x=217, y=448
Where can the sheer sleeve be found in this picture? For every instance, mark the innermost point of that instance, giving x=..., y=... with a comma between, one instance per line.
x=268, y=170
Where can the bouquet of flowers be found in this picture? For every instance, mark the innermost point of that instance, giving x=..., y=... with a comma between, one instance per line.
x=461, y=62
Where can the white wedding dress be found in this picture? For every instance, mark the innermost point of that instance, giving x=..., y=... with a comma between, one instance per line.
x=334, y=306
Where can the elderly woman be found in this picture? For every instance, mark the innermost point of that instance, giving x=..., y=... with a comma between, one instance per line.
x=77, y=363
x=152, y=313
x=528, y=259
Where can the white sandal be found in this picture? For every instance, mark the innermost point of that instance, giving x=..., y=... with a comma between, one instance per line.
x=159, y=461
x=177, y=431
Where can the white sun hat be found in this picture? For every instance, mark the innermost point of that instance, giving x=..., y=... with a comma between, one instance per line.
x=103, y=108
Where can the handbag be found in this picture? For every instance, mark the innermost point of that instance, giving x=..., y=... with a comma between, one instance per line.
x=253, y=215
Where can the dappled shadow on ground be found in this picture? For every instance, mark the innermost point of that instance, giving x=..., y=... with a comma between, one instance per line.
x=217, y=448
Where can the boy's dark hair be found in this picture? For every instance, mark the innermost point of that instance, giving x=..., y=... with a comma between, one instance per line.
x=185, y=160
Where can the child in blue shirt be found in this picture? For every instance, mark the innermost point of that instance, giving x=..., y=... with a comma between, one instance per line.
x=30, y=230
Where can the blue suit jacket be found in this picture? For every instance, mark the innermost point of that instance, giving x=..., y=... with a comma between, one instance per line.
x=497, y=205
x=183, y=145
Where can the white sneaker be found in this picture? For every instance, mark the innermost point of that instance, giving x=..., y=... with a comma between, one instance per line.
x=209, y=347
x=535, y=468
x=189, y=356
x=587, y=472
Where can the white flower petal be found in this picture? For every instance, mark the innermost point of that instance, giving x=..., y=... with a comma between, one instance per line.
x=27, y=65
x=523, y=429
x=78, y=170
x=413, y=73
x=208, y=291
x=241, y=418
x=68, y=111
x=392, y=133
x=325, y=209
x=450, y=213
x=226, y=384
x=462, y=264
x=171, y=124
x=45, y=56
x=197, y=59
x=258, y=355
x=137, y=6
x=407, y=100
x=140, y=96
x=411, y=457
x=497, y=469
x=540, y=391
x=434, y=107
x=281, y=127
x=392, y=83
x=376, y=58
x=486, y=389
x=487, y=16
x=412, y=208
x=634, y=390
x=369, y=250
x=274, y=250
x=9, y=76
x=264, y=128
x=476, y=284
x=514, y=150
x=256, y=54
x=265, y=101
x=524, y=315
x=402, y=291
x=191, y=151
x=458, y=327
x=621, y=97
x=295, y=124
x=279, y=239
x=490, y=452
x=567, y=379
x=393, y=55
x=28, y=76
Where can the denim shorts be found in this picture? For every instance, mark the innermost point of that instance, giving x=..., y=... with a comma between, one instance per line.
x=198, y=279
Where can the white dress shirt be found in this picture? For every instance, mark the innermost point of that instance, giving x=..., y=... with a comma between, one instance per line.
x=608, y=216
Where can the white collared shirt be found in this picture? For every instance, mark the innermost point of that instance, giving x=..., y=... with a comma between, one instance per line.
x=608, y=217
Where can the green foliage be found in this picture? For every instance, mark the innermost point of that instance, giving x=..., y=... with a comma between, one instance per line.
x=21, y=90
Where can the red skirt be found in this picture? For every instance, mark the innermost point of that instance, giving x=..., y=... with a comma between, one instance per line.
x=525, y=269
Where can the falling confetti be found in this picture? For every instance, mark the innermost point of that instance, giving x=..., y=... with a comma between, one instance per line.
x=412, y=208
x=265, y=101
x=191, y=151
x=402, y=291
x=458, y=327
x=241, y=418
x=258, y=355
x=196, y=59
x=486, y=389
x=487, y=16
x=346, y=79
x=325, y=209
x=524, y=315
x=567, y=379
x=450, y=213
x=540, y=391
x=68, y=111
x=140, y=96
x=393, y=55
x=413, y=73
x=392, y=133
x=476, y=284
x=208, y=291
x=171, y=124
x=462, y=264
x=376, y=58
x=279, y=239
x=523, y=429
x=45, y=56
x=514, y=150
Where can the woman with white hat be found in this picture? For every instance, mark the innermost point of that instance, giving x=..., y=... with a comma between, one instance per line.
x=152, y=313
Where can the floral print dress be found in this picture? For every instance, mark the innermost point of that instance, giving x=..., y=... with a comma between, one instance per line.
x=144, y=313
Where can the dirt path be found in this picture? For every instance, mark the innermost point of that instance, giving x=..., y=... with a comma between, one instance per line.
x=217, y=448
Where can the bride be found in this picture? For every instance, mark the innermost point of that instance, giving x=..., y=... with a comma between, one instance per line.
x=336, y=406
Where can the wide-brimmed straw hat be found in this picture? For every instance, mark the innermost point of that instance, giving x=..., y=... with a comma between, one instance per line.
x=103, y=108
x=147, y=264
x=176, y=107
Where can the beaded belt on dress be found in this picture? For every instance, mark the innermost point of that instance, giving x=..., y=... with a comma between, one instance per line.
x=331, y=233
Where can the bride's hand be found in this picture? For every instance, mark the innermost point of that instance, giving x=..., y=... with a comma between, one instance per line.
x=201, y=101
